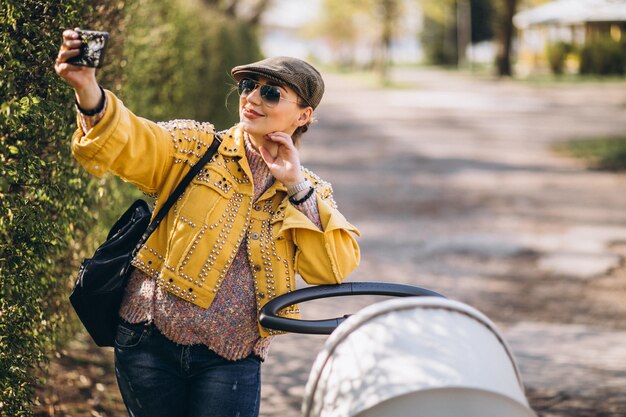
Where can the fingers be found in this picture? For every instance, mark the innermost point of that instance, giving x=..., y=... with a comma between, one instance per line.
x=71, y=44
x=65, y=55
x=70, y=47
x=285, y=164
x=70, y=34
x=281, y=138
x=76, y=76
x=61, y=66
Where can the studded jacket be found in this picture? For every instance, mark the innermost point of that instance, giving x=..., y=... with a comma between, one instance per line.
x=191, y=251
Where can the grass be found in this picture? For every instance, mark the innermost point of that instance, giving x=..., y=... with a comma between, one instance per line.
x=550, y=80
x=603, y=153
x=371, y=78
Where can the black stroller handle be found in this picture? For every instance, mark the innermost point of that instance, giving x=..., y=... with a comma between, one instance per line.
x=268, y=314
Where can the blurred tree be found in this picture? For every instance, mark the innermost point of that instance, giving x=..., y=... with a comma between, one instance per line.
x=482, y=12
x=249, y=11
x=439, y=35
x=490, y=19
x=163, y=34
x=505, y=31
x=449, y=27
x=339, y=25
x=348, y=24
x=389, y=11
x=504, y=10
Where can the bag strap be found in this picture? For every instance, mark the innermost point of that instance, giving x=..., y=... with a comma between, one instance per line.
x=178, y=191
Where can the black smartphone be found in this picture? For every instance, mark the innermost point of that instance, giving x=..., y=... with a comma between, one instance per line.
x=92, y=48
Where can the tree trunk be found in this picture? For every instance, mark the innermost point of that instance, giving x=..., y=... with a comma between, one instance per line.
x=463, y=30
x=505, y=31
x=389, y=14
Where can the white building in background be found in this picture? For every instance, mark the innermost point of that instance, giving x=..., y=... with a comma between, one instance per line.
x=573, y=21
x=281, y=33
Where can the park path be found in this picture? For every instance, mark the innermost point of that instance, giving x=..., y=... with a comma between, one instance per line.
x=454, y=185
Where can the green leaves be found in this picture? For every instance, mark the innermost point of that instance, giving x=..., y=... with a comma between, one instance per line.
x=603, y=153
x=171, y=60
x=36, y=205
x=180, y=56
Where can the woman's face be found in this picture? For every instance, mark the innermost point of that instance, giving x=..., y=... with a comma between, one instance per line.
x=258, y=117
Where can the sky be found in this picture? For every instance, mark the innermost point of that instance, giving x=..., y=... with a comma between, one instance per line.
x=292, y=13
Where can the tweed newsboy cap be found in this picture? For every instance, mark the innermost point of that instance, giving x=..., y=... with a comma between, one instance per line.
x=305, y=80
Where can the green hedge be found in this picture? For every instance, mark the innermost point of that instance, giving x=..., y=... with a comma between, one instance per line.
x=180, y=61
x=603, y=56
x=51, y=210
x=44, y=196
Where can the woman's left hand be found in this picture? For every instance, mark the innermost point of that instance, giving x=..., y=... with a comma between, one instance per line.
x=284, y=161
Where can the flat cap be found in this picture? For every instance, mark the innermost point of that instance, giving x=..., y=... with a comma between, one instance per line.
x=305, y=80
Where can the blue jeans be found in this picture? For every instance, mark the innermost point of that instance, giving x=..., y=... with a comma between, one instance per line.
x=158, y=377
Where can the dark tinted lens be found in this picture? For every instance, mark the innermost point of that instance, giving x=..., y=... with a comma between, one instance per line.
x=270, y=93
x=246, y=85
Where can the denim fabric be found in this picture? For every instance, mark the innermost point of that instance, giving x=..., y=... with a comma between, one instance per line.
x=158, y=378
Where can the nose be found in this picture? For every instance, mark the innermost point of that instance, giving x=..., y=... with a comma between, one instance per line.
x=254, y=96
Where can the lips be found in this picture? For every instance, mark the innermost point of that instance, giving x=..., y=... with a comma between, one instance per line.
x=251, y=114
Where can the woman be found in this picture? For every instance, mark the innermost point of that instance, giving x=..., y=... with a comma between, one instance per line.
x=188, y=342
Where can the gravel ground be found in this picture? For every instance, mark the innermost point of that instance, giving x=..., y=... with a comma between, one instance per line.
x=454, y=186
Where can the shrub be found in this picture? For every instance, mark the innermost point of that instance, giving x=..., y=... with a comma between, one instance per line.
x=557, y=54
x=43, y=194
x=603, y=56
x=180, y=55
x=51, y=210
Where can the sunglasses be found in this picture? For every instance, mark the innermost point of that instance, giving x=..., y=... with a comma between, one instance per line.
x=269, y=93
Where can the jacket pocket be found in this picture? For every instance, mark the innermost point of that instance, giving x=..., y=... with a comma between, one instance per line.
x=195, y=212
x=200, y=235
x=206, y=190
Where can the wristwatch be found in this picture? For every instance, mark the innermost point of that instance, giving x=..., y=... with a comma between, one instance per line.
x=296, y=188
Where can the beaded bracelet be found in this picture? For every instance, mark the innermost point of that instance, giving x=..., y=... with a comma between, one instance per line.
x=303, y=199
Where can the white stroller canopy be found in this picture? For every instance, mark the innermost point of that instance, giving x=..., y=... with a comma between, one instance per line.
x=416, y=356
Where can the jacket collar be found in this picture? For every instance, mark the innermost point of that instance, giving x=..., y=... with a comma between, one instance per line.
x=232, y=143
x=233, y=146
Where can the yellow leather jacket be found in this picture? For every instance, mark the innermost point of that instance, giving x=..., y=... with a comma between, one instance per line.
x=191, y=251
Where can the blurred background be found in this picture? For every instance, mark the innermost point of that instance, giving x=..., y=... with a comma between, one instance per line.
x=479, y=146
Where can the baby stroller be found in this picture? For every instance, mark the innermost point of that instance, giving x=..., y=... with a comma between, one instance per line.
x=421, y=356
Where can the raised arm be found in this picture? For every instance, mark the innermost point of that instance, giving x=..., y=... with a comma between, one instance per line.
x=151, y=155
x=81, y=79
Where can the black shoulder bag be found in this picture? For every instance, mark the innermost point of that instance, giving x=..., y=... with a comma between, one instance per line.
x=98, y=291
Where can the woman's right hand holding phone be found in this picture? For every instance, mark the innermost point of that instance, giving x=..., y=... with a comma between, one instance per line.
x=81, y=79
